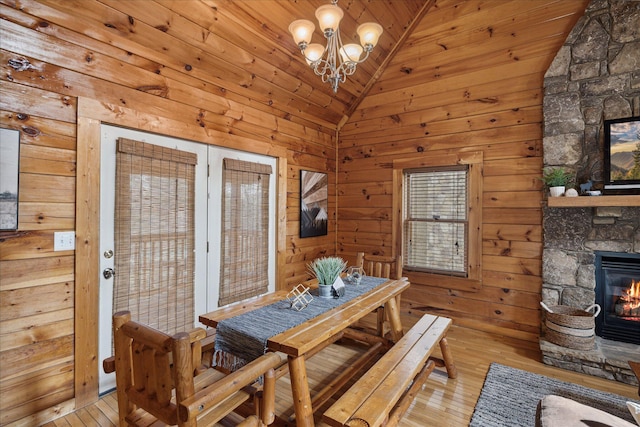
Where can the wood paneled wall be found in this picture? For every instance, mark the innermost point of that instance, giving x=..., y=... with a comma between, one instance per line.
x=51, y=60
x=37, y=284
x=469, y=78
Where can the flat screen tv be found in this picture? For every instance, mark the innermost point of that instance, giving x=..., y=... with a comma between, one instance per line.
x=622, y=156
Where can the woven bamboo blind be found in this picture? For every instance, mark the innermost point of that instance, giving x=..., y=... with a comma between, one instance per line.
x=154, y=228
x=245, y=230
x=436, y=224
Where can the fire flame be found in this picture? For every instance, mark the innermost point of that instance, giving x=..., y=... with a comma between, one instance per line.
x=632, y=295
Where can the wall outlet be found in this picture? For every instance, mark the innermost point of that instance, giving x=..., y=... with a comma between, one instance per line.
x=64, y=240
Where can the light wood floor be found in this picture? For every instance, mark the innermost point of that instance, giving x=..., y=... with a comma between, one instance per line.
x=442, y=402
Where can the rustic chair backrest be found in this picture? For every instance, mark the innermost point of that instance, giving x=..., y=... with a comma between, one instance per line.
x=156, y=379
x=156, y=363
x=380, y=266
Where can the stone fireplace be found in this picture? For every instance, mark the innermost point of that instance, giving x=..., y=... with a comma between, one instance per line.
x=594, y=77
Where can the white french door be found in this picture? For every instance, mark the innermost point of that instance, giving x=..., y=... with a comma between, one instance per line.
x=109, y=137
x=216, y=160
x=208, y=194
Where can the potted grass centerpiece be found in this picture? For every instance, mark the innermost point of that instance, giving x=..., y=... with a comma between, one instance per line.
x=327, y=270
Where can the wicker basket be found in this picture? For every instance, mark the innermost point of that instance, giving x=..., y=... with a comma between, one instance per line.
x=571, y=327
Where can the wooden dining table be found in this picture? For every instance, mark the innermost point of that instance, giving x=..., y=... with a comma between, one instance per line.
x=305, y=339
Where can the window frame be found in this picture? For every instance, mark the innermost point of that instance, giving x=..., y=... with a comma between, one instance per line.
x=411, y=221
x=444, y=158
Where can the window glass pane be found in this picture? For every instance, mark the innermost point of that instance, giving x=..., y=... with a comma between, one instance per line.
x=435, y=246
x=437, y=195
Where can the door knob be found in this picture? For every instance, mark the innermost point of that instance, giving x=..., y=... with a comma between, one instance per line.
x=108, y=273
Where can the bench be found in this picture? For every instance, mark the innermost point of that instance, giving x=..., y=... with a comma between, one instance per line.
x=383, y=394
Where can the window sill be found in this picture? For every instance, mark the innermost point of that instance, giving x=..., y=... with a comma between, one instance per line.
x=442, y=281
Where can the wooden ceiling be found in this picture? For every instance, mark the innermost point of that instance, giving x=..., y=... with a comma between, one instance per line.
x=239, y=60
x=259, y=29
x=245, y=48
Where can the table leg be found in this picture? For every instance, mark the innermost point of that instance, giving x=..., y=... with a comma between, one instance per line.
x=391, y=307
x=300, y=392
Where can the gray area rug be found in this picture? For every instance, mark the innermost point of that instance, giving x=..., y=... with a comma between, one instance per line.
x=509, y=397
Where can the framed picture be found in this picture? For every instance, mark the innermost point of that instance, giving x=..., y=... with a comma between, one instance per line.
x=313, y=203
x=622, y=156
x=9, y=171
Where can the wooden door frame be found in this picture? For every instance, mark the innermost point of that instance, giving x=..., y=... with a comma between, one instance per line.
x=91, y=115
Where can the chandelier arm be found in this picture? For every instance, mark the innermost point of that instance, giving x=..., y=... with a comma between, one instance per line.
x=321, y=67
x=367, y=52
x=367, y=48
x=333, y=57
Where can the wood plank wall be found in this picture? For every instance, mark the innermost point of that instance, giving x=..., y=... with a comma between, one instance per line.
x=49, y=57
x=470, y=77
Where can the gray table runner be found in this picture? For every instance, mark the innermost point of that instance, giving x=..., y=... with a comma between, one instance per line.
x=243, y=338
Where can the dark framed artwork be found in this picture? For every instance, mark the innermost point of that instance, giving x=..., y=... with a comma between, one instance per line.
x=622, y=156
x=9, y=171
x=313, y=203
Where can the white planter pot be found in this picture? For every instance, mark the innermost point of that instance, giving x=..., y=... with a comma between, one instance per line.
x=325, y=291
x=556, y=191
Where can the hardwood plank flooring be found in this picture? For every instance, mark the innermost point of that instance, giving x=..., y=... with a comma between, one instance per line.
x=442, y=402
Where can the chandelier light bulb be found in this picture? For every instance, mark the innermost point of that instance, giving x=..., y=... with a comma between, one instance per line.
x=351, y=52
x=313, y=52
x=369, y=33
x=302, y=30
x=329, y=17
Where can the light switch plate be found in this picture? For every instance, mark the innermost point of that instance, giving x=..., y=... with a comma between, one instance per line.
x=64, y=240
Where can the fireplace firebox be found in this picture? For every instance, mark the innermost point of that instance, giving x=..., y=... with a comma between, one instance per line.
x=618, y=294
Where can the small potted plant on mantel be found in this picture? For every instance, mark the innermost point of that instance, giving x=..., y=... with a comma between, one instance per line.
x=557, y=180
x=327, y=270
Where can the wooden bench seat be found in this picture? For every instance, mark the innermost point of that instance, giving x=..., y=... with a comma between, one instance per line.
x=386, y=390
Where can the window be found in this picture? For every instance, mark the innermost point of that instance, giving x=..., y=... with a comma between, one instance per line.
x=435, y=225
x=438, y=217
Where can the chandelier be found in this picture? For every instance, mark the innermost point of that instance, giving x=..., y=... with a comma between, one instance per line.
x=335, y=61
